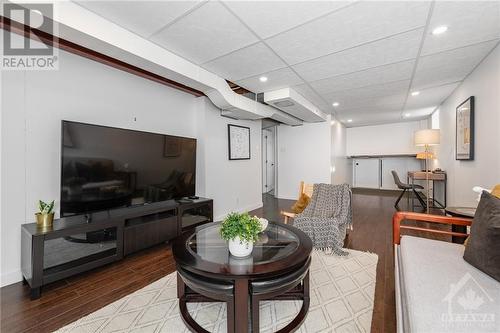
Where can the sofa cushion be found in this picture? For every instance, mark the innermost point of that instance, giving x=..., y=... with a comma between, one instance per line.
x=438, y=283
x=483, y=248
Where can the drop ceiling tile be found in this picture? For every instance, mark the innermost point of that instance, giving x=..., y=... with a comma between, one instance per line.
x=249, y=61
x=359, y=23
x=204, y=34
x=280, y=78
x=267, y=18
x=382, y=74
x=450, y=66
x=313, y=97
x=347, y=97
x=468, y=22
x=430, y=96
x=370, y=117
x=142, y=17
x=387, y=103
x=394, y=49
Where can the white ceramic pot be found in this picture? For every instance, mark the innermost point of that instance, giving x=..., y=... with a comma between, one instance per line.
x=240, y=249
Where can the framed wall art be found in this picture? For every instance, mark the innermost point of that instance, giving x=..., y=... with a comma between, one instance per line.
x=465, y=130
x=239, y=142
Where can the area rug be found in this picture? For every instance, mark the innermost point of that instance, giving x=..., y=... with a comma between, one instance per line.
x=342, y=292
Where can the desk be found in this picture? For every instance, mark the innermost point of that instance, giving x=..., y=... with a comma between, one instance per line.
x=433, y=177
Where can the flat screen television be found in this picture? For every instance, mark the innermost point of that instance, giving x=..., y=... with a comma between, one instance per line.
x=106, y=167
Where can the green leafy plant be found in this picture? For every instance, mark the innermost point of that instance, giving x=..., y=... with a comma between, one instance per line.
x=45, y=208
x=242, y=225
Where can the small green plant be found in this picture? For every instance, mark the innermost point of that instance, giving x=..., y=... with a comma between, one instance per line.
x=242, y=225
x=45, y=208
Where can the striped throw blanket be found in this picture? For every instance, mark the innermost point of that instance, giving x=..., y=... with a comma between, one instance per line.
x=327, y=217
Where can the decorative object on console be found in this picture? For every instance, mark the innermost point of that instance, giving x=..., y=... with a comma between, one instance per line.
x=465, y=130
x=241, y=231
x=45, y=216
x=425, y=156
x=427, y=138
x=238, y=142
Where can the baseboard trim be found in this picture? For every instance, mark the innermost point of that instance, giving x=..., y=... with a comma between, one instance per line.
x=10, y=278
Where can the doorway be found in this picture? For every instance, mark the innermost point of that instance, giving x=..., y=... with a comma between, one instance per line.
x=269, y=160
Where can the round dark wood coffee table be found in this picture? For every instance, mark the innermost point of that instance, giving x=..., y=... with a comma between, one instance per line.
x=280, y=250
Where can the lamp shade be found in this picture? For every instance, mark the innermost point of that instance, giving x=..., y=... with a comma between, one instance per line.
x=427, y=137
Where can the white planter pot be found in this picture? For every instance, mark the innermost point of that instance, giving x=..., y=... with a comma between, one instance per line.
x=240, y=249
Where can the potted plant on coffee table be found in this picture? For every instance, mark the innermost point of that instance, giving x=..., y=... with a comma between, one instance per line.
x=241, y=231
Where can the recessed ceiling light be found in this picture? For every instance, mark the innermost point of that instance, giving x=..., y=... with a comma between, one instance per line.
x=349, y=120
x=332, y=122
x=335, y=104
x=263, y=79
x=415, y=93
x=407, y=114
x=439, y=30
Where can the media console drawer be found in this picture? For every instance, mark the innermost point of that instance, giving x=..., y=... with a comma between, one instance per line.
x=138, y=236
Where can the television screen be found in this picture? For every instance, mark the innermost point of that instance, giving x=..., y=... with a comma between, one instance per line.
x=106, y=167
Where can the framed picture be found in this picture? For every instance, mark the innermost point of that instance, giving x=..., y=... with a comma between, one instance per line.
x=172, y=146
x=239, y=142
x=465, y=130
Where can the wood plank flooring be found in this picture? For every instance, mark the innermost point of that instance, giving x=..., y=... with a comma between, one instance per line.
x=65, y=301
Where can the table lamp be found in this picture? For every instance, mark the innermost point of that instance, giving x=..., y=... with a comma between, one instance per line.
x=427, y=138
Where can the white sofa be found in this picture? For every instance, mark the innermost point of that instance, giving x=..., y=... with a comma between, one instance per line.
x=436, y=289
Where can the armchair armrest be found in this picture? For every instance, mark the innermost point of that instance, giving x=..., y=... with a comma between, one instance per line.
x=398, y=217
x=287, y=215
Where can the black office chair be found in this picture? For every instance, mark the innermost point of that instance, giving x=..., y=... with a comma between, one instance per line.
x=405, y=187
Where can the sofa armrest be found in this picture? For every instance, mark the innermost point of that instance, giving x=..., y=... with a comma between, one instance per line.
x=398, y=217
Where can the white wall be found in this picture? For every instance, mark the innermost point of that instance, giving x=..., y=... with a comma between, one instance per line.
x=340, y=164
x=304, y=153
x=234, y=185
x=484, y=170
x=387, y=139
x=35, y=102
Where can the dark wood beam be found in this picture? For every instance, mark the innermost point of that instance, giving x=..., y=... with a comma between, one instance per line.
x=66, y=45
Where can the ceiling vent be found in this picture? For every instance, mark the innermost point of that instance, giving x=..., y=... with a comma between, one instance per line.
x=284, y=104
x=293, y=103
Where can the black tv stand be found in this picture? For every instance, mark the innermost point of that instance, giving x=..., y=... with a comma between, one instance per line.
x=76, y=244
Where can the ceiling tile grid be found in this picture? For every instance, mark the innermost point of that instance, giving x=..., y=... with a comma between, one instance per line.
x=277, y=79
x=366, y=55
x=362, y=22
x=132, y=14
x=268, y=18
x=206, y=33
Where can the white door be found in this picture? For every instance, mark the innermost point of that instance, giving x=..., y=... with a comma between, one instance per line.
x=268, y=160
x=366, y=172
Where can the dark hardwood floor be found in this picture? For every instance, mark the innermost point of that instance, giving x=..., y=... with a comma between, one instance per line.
x=66, y=301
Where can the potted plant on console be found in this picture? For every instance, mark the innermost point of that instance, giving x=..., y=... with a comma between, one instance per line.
x=241, y=231
x=45, y=216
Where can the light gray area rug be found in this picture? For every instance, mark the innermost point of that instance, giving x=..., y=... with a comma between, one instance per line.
x=342, y=291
